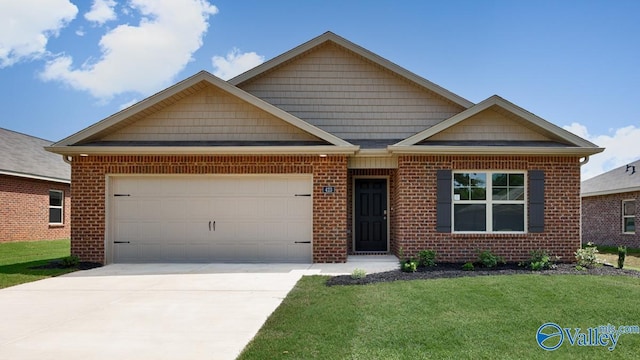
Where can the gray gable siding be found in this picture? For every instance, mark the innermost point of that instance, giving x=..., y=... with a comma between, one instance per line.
x=350, y=97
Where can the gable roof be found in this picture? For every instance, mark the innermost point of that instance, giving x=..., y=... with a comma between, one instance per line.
x=24, y=156
x=84, y=140
x=340, y=41
x=561, y=141
x=625, y=178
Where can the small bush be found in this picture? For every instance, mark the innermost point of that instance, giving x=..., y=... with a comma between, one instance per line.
x=587, y=256
x=427, y=258
x=539, y=260
x=622, y=254
x=358, y=274
x=468, y=266
x=409, y=265
x=490, y=260
x=70, y=261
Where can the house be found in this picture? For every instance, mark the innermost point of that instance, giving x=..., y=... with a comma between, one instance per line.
x=34, y=190
x=324, y=151
x=609, y=203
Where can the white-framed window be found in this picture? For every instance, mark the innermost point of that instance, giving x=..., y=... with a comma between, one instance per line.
x=56, y=206
x=489, y=201
x=629, y=216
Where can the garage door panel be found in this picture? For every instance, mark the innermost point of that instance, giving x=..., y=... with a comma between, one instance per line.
x=212, y=218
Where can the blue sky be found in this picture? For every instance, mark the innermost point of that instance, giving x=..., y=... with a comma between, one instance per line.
x=66, y=64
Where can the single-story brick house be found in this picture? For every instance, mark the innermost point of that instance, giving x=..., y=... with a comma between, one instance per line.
x=34, y=190
x=324, y=151
x=609, y=203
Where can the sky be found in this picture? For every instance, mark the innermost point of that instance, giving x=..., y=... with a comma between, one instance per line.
x=67, y=64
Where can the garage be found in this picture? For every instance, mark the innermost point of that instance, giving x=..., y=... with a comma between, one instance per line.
x=222, y=218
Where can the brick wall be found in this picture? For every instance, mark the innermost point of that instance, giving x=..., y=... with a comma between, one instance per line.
x=329, y=210
x=602, y=220
x=24, y=214
x=416, y=208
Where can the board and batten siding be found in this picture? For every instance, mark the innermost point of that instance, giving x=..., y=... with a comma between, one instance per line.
x=210, y=115
x=489, y=125
x=350, y=97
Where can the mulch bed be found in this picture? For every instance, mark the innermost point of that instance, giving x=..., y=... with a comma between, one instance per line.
x=455, y=270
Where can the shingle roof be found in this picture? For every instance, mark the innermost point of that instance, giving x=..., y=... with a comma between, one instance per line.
x=618, y=180
x=24, y=155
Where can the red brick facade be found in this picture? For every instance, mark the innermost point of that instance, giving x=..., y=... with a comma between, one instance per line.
x=24, y=214
x=602, y=220
x=415, y=208
x=412, y=205
x=329, y=210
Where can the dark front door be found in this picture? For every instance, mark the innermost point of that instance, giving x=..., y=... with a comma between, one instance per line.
x=370, y=222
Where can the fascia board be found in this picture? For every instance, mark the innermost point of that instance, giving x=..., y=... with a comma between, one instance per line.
x=611, y=192
x=201, y=150
x=492, y=150
x=34, y=176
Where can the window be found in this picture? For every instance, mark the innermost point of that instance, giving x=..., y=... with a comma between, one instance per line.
x=489, y=202
x=629, y=216
x=56, y=200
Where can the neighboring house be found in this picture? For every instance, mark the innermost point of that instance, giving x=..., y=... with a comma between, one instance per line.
x=34, y=190
x=324, y=151
x=609, y=203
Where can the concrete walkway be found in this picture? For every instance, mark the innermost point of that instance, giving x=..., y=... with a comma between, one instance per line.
x=152, y=311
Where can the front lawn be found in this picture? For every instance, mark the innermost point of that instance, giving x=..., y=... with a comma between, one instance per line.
x=18, y=258
x=493, y=317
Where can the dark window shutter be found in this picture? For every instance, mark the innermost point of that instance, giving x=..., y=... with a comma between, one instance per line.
x=443, y=208
x=536, y=201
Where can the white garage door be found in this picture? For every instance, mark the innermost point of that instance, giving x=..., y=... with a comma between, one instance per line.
x=248, y=218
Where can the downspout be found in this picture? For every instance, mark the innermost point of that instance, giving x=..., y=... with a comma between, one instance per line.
x=67, y=159
x=583, y=162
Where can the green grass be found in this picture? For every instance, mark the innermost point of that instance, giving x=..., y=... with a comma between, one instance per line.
x=17, y=258
x=492, y=317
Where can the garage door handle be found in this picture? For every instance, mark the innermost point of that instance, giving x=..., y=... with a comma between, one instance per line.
x=303, y=242
x=214, y=226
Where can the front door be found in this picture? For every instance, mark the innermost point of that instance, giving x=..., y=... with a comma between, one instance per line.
x=370, y=221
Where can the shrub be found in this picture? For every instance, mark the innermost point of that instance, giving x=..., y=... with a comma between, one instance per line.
x=70, y=261
x=468, y=266
x=409, y=265
x=358, y=274
x=489, y=260
x=427, y=258
x=622, y=254
x=586, y=256
x=539, y=260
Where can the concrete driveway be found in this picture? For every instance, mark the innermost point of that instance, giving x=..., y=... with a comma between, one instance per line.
x=155, y=311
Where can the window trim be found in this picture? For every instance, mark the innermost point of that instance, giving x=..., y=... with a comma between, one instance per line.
x=489, y=202
x=61, y=207
x=623, y=217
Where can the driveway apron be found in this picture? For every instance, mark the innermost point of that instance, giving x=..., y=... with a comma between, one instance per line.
x=174, y=311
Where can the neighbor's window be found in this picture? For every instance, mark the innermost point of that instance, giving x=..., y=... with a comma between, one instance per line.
x=489, y=201
x=629, y=216
x=56, y=200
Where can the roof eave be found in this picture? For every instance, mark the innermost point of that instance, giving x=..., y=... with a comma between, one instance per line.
x=610, y=191
x=201, y=150
x=35, y=176
x=492, y=150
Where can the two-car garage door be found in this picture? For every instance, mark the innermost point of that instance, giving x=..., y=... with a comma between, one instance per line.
x=247, y=218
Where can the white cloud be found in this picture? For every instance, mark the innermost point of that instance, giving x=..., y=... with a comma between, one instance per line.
x=27, y=25
x=140, y=58
x=235, y=63
x=621, y=148
x=101, y=11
